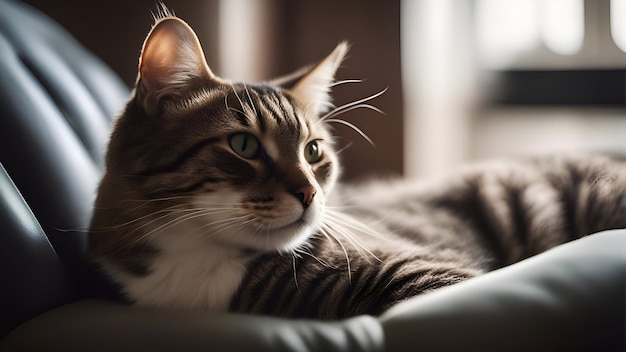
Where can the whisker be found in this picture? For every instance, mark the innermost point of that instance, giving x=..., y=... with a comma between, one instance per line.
x=232, y=86
x=295, y=276
x=356, y=129
x=234, y=224
x=243, y=106
x=176, y=221
x=319, y=260
x=341, y=108
x=334, y=84
x=225, y=224
x=235, y=110
x=245, y=87
x=130, y=222
x=360, y=106
x=356, y=242
x=350, y=144
x=231, y=108
x=146, y=202
x=329, y=235
x=161, y=227
x=155, y=199
x=168, y=211
x=351, y=222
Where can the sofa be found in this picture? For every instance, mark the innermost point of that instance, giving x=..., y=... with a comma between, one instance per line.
x=57, y=102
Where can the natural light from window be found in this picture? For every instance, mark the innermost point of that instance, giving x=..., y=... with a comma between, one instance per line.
x=452, y=52
x=505, y=29
x=509, y=30
x=618, y=23
x=562, y=25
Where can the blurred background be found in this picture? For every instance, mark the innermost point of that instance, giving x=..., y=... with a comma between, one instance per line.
x=467, y=79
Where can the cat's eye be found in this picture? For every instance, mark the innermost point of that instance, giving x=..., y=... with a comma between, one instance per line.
x=312, y=152
x=244, y=144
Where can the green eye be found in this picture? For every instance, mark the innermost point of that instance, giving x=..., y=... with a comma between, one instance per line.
x=312, y=152
x=244, y=144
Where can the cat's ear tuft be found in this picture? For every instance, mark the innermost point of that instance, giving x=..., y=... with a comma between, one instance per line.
x=312, y=87
x=171, y=59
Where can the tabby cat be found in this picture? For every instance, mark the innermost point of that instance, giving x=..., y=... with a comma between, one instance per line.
x=222, y=196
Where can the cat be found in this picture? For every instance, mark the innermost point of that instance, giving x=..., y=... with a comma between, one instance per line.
x=224, y=196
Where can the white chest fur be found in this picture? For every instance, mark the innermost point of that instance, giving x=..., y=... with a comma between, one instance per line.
x=201, y=277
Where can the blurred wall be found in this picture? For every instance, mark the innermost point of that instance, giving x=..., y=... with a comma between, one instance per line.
x=115, y=30
x=488, y=79
x=294, y=34
x=311, y=29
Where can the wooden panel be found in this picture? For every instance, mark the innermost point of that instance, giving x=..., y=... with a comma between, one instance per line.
x=303, y=32
x=115, y=30
x=311, y=29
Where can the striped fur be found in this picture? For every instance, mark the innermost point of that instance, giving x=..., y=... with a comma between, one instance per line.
x=215, y=197
x=437, y=234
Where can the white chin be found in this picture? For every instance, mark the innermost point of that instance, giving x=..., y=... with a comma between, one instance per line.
x=290, y=237
x=287, y=237
x=280, y=239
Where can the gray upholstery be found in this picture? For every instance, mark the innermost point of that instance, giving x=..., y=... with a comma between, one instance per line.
x=571, y=298
x=56, y=104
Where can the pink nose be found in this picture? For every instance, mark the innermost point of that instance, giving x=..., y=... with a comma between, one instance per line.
x=305, y=194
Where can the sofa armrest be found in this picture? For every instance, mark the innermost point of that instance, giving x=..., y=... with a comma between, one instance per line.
x=570, y=298
x=93, y=325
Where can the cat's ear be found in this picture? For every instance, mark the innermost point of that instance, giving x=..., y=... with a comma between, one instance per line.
x=171, y=61
x=311, y=86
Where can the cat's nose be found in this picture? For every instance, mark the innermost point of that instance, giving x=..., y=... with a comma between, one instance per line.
x=305, y=194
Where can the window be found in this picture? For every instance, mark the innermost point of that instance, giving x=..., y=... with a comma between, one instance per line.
x=505, y=30
x=618, y=23
x=562, y=25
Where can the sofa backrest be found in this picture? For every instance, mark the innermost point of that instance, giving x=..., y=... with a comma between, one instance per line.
x=57, y=101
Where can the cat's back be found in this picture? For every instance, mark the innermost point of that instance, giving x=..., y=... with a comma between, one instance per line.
x=496, y=212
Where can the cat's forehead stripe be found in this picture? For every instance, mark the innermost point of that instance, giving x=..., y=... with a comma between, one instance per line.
x=289, y=111
x=275, y=109
x=271, y=102
x=255, y=109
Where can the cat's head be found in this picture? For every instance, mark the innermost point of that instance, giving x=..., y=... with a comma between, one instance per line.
x=243, y=164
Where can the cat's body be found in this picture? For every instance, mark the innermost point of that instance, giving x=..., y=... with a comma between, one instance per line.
x=434, y=234
x=222, y=196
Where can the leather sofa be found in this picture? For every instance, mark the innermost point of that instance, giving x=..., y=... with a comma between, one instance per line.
x=56, y=105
